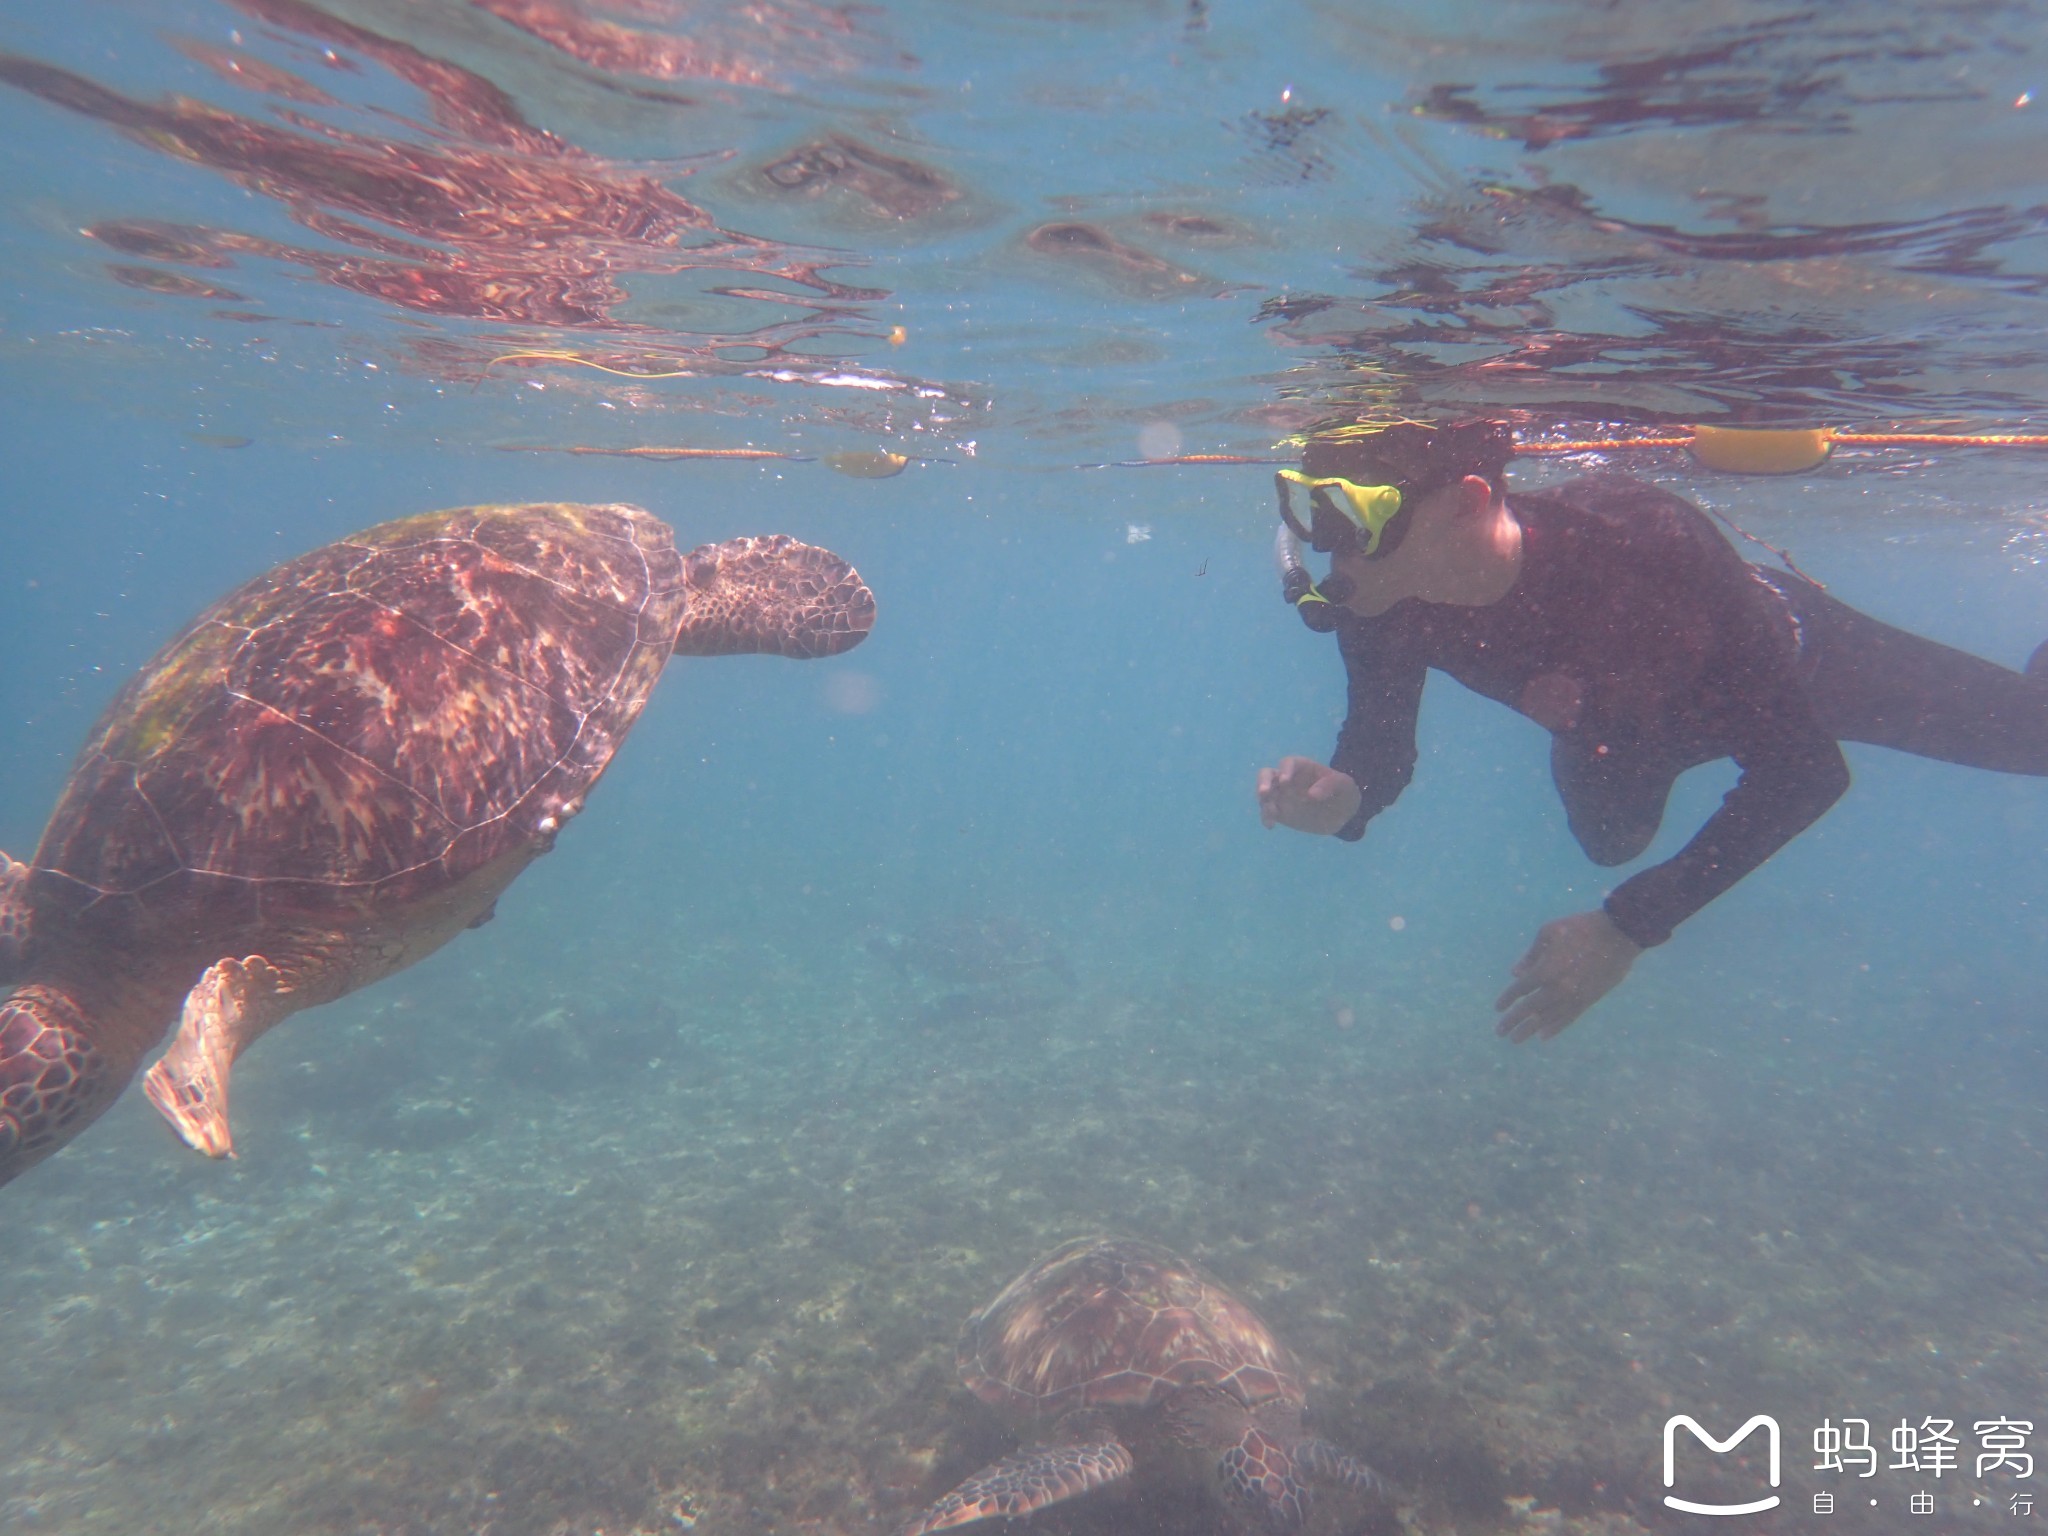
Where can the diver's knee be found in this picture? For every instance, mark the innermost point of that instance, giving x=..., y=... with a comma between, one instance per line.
x=1828, y=782
x=1609, y=846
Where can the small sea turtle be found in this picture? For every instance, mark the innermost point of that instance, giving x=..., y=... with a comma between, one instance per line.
x=1137, y=1357
x=338, y=768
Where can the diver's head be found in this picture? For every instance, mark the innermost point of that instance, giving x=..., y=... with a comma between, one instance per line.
x=1363, y=483
x=1365, y=478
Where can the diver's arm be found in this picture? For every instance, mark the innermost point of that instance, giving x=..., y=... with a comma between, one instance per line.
x=1792, y=771
x=1376, y=744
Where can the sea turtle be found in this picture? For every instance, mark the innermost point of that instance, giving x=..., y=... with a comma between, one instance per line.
x=1136, y=1357
x=336, y=769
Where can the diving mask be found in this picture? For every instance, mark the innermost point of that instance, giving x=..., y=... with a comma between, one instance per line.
x=1343, y=515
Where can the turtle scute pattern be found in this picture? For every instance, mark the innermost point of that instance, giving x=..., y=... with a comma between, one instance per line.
x=367, y=714
x=1102, y=1323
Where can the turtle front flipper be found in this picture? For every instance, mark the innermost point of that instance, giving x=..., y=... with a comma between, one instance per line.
x=1323, y=1462
x=55, y=1076
x=1263, y=1479
x=1028, y=1481
x=14, y=919
x=234, y=1002
x=772, y=596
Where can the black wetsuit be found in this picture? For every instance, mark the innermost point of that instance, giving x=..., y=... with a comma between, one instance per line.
x=1646, y=645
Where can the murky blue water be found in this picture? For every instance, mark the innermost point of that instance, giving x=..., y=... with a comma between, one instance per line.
x=658, y=1202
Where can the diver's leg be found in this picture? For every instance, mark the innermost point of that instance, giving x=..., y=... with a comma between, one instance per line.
x=1873, y=683
x=1613, y=799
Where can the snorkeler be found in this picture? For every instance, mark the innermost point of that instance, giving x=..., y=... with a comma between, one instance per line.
x=1618, y=617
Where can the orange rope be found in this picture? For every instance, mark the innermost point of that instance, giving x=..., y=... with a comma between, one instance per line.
x=1614, y=444
x=1211, y=458
x=1949, y=439
x=1880, y=439
x=544, y=355
x=652, y=453
x=1604, y=444
x=1184, y=458
x=1577, y=445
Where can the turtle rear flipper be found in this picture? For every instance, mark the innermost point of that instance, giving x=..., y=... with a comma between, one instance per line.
x=1028, y=1481
x=234, y=1002
x=14, y=915
x=772, y=596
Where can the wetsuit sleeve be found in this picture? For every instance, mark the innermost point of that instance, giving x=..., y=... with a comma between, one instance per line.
x=1376, y=744
x=1792, y=771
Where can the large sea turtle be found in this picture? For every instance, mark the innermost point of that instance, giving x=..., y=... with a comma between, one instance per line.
x=1138, y=1360
x=336, y=769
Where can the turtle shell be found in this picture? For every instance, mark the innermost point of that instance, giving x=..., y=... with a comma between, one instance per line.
x=371, y=721
x=1116, y=1323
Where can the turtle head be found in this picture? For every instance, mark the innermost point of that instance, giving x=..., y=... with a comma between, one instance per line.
x=14, y=919
x=772, y=596
x=55, y=1079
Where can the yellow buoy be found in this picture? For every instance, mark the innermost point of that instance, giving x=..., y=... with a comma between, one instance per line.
x=864, y=465
x=1761, y=450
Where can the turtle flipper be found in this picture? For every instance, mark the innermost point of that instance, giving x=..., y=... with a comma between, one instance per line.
x=14, y=915
x=772, y=596
x=1262, y=1477
x=1324, y=1463
x=55, y=1078
x=1027, y=1481
x=234, y=1002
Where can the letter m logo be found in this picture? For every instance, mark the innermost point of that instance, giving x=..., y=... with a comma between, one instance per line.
x=1718, y=1447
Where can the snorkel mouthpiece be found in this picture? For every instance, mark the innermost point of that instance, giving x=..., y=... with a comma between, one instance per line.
x=1317, y=611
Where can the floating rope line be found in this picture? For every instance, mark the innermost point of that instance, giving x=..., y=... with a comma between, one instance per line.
x=1184, y=458
x=1740, y=450
x=1948, y=439
x=1744, y=450
x=655, y=453
x=1785, y=450
x=583, y=362
x=1603, y=444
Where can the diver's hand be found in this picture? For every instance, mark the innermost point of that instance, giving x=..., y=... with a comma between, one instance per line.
x=1574, y=962
x=1304, y=794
